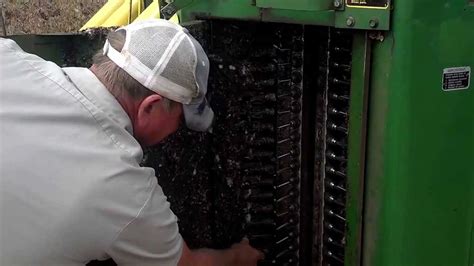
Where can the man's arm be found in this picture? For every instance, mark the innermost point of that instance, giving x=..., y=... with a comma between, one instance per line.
x=241, y=254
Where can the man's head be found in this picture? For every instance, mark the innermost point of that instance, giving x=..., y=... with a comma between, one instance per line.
x=157, y=71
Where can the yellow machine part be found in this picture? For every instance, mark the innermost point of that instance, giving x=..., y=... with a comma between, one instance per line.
x=117, y=13
x=153, y=11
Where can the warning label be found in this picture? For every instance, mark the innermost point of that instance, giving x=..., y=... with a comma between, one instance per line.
x=456, y=78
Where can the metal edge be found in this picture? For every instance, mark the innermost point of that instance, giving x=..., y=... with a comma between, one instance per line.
x=363, y=18
x=360, y=76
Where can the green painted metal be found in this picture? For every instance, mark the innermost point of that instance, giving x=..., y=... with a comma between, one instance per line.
x=303, y=17
x=361, y=56
x=419, y=194
x=362, y=18
x=51, y=47
x=236, y=9
x=311, y=12
x=375, y=182
x=244, y=10
x=63, y=49
x=471, y=255
x=306, y=5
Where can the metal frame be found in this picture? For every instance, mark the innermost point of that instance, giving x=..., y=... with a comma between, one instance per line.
x=324, y=12
x=361, y=64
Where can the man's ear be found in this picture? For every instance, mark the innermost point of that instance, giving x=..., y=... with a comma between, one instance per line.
x=147, y=107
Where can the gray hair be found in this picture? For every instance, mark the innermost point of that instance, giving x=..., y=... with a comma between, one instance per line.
x=119, y=82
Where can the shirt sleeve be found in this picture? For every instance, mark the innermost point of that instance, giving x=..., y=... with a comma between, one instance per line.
x=152, y=238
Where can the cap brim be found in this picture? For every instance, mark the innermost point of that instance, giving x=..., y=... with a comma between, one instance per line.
x=198, y=116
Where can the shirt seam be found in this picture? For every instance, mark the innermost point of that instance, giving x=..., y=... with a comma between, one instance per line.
x=94, y=101
x=136, y=216
x=116, y=143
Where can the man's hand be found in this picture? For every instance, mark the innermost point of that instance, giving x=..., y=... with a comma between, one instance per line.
x=245, y=254
x=240, y=254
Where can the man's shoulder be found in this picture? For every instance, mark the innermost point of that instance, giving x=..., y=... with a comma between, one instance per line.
x=8, y=45
x=31, y=69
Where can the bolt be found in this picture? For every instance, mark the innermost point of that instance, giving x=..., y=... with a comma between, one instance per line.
x=350, y=22
x=337, y=3
x=373, y=23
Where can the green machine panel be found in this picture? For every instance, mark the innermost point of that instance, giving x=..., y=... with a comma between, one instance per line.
x=370, y=15
x=411, y=149
x=419, y=195
x=304, y=5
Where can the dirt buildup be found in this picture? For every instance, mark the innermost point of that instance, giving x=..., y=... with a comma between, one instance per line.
x=240, y=180
x=47, y=16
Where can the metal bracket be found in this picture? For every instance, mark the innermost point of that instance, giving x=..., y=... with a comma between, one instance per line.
x=339, y=5
x=174, y=6
x=362, y=16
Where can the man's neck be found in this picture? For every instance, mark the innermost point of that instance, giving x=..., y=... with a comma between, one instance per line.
x=130, y=106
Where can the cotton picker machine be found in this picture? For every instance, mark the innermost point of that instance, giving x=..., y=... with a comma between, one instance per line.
x=344, y=131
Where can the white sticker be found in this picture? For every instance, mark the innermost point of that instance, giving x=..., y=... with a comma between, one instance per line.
x=456, y=78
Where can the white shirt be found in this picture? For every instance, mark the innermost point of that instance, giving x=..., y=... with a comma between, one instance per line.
x=71, y=187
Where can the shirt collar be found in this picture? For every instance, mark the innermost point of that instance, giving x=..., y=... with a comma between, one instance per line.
x=91, y=87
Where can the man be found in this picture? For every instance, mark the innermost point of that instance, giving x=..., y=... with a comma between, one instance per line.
x=72, y=189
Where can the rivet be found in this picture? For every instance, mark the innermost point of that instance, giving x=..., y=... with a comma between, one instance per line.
x=350, y=22
x=373, y=23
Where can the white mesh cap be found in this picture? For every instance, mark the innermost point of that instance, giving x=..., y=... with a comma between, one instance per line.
x=166, y=59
